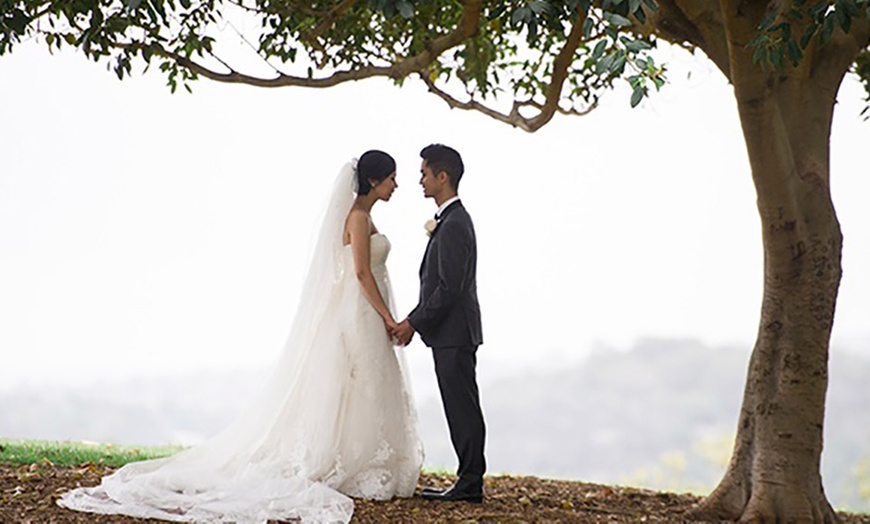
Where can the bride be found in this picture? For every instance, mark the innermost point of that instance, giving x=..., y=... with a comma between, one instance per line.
x=335, y=421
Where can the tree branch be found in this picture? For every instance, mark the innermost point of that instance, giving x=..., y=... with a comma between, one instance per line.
x=838, y=55
x=465, y=28
x=673, y=24
x=513, y=118
x=741, y=20
x=561, y=64
x=697, y=22
x=560, y=73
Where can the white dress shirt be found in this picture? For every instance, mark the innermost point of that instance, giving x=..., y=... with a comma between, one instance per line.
x=444, y=206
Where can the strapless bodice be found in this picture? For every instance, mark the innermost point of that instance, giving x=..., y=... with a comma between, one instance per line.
x=380, y=249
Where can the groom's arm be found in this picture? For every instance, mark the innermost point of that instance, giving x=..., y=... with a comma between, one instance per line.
x=451, y=260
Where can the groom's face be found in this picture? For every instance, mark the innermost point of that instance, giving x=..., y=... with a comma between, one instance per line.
x=430, y=182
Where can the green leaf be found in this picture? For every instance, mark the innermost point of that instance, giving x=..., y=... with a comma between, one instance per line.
x=618, y=64
x=633, y=5
x=588, y=25
x=844, y=19
x=794, y=53
x=603, y=65
x=520, y=15
x=850, y=7
x=636, y=96
x=497, y=12
x=533, y=31
x=778, y=27
x=405, y=9
x=617, y=20
x=760, y=55
x=640, y=15
x=637, y=46
x=776, y=57
x=808, y=35
x=599, y=49
x=827, y=28
x=652, y=5
x=539, y=6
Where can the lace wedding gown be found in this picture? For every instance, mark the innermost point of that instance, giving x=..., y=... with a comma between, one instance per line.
x=335, y=421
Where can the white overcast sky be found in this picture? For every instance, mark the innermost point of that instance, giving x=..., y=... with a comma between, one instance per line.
x=143, y=233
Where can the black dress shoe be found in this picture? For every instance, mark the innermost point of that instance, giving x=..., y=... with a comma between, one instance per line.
x=430, y=491
x=454, y=495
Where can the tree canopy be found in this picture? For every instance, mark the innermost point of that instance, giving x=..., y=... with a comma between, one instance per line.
x=518, y=61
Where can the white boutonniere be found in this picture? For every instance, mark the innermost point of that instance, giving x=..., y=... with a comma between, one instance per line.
x=430, y=226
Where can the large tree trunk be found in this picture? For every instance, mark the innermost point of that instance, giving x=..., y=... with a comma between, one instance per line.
x=774, y=474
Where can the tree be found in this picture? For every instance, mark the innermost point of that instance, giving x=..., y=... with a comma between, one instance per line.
x=521, y=62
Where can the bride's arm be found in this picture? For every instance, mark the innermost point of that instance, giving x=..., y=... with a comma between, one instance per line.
x=360, y=245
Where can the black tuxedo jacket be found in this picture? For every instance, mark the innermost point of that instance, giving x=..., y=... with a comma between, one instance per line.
x=448, y=314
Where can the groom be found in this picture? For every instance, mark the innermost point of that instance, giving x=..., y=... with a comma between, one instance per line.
x=448, y=319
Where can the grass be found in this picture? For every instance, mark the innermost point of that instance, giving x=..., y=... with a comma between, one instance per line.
x=65, y=453
x=21, y=452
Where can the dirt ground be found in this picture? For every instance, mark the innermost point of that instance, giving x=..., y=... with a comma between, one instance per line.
x=28, y=494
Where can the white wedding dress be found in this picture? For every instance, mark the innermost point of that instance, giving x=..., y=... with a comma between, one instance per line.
x=335, y=421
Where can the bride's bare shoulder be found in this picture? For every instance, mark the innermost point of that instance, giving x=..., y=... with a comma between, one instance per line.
x=358, y=221
x=357, y=217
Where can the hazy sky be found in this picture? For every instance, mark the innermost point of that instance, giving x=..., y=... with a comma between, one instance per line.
x=144, y=233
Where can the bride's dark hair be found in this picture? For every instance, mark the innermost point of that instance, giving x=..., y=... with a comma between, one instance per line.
x=373, y=165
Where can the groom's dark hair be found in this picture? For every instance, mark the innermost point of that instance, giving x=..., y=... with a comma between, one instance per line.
x=443, y=158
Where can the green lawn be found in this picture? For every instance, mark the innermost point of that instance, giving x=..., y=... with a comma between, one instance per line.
x=76, y=453
x=64, y=453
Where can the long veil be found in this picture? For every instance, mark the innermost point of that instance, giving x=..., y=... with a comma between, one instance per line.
x=260, y=467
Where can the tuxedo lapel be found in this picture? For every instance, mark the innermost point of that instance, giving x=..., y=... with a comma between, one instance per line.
x=426, y=255
x=449, y=209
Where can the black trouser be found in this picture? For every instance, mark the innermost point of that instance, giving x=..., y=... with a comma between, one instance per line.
x=455, y=369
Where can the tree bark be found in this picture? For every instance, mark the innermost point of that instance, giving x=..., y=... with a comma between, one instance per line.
x=786, y=115
x=774, y=474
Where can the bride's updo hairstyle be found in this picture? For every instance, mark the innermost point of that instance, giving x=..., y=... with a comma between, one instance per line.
x=373, y=166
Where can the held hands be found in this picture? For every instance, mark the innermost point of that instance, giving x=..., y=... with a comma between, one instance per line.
x=391, y=326
x=403, y=333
